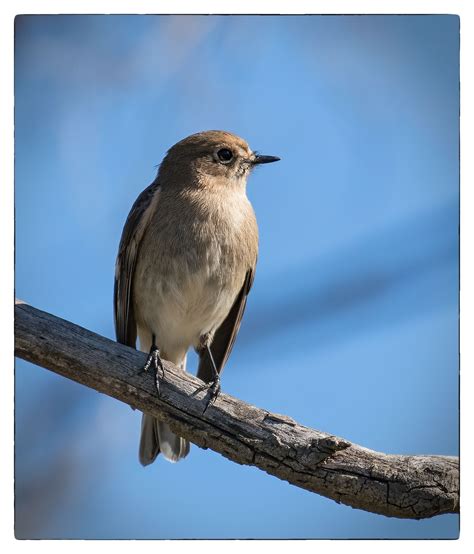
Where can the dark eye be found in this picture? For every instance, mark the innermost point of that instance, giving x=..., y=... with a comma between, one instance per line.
x=225, y=155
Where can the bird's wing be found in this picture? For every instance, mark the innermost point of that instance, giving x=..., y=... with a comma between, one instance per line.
x=137, y=222
x=226, y=334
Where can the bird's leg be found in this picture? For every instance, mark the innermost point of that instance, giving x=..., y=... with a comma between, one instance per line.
x=155, y=360
x=214, y=386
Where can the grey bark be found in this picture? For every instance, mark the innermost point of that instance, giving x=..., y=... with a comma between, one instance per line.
x=393, y=485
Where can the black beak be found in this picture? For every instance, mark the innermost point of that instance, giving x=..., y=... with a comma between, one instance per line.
x=259, y=159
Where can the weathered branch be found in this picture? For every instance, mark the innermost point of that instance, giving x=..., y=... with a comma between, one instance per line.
x=399, y=486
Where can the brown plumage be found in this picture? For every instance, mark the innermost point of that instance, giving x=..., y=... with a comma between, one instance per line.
x=186, y=263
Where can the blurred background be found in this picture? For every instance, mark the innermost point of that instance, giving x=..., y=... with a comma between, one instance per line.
x=352, y=323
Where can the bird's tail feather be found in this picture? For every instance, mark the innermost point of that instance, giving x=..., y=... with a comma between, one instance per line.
x=156, y=437
x=149, y=442
x=172, y=447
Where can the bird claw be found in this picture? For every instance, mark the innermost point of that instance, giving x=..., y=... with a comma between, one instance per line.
x=214, y=388
x=154, y=360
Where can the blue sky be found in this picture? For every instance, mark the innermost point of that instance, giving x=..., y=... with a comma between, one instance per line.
x=352, y=323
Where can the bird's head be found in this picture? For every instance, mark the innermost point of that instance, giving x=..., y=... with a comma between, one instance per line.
x=210, y=159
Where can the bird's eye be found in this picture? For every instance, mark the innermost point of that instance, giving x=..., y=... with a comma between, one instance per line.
x=224, y=155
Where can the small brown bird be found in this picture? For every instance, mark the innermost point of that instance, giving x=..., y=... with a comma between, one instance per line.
x=185, y=266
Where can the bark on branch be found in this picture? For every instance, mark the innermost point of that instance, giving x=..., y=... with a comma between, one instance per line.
x=399, y=486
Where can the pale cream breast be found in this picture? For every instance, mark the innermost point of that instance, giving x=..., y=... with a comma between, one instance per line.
x=197, y=255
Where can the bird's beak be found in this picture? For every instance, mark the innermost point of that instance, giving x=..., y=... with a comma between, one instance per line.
x=260, y=159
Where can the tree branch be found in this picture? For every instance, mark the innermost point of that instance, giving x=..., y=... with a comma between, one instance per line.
x=400, y=486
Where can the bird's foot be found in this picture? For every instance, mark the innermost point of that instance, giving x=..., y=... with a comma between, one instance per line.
x=214, y=388
x=154, y=360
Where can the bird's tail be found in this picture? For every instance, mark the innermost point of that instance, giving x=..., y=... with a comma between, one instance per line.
x=156, y=436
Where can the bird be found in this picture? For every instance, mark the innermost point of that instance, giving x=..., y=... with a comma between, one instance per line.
x=185, y=265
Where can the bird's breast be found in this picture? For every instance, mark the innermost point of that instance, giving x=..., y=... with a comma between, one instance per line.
x=192, y=264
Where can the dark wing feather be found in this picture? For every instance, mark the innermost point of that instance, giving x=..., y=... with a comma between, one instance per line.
x=224, y=337
x=137, y=220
